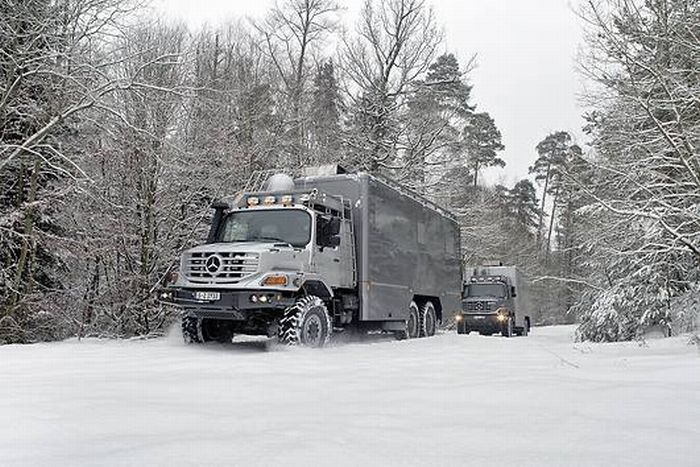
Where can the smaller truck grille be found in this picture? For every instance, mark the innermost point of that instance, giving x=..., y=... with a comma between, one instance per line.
x=479, y=306
x=232, y=267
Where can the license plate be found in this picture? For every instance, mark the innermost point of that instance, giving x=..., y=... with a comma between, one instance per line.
x=480, y=317
x=208, y=296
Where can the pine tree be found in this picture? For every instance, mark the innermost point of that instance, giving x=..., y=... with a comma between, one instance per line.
x=481, y=140
x=555, y=152
x=326, y=110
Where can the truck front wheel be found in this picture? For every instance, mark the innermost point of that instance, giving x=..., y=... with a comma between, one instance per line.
x=190, y=330
x=306, y=323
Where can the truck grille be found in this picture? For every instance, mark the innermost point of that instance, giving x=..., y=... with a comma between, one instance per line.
x=233, y=267
x=479, y=306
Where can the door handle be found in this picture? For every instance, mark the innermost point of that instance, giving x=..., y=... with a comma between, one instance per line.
x=336, y=260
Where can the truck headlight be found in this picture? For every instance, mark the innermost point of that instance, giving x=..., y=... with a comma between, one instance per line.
x=275, y=280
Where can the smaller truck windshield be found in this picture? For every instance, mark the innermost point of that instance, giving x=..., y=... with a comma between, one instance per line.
x=291, y=226
x=485, y=290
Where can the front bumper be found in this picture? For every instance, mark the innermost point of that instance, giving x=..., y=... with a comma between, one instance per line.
x=482, y=321
x=234, y=305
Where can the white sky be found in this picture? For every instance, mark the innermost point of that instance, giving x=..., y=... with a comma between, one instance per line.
x=525, y=50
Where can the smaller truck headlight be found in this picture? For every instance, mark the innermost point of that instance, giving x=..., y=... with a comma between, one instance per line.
x=458, y=318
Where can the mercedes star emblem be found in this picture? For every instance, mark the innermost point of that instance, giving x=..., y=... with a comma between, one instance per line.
x=213, y=264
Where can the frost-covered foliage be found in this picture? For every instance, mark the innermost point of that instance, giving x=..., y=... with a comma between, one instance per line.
x=643, y=189
x=117, y=134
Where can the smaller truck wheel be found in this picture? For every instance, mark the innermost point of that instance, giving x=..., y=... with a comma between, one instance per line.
x=508, y=328
x=462, y=328
x=306, y=323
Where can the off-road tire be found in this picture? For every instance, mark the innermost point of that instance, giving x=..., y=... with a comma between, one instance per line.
x=509, y=328
x=306, y=323
x=413, y=323
x=428, y=320
x=191, y=330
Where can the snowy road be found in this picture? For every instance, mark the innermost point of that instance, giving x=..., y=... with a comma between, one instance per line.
x=448, y=400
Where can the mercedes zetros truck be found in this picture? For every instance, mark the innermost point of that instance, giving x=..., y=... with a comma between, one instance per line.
x=302, y=258
x=495, y=299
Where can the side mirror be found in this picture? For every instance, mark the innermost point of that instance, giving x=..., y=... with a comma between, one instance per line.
x=512, y=291
x=334, y=226
x=219, y=208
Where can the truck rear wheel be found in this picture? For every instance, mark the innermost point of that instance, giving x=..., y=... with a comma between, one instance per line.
x=429, y=320
x=306, y=323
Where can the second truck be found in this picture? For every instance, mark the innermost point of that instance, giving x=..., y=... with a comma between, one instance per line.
x=302, y=258
x=495, y=299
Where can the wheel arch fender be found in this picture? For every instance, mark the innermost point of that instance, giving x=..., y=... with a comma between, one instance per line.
x=318, y=287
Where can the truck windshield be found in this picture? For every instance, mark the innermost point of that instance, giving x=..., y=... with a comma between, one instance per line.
x=292, y=226
x=485, y=290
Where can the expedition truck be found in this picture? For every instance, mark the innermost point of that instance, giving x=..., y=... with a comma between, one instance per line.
x=494, y=299
x=301, y=258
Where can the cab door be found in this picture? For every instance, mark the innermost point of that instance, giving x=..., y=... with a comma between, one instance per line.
x=333, y=251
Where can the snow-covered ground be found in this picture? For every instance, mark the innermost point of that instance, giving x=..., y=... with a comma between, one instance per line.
x=448, y=400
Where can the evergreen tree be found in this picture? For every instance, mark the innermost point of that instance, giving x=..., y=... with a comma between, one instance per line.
x=555, y=152
x=326, y=110
x=481, y=140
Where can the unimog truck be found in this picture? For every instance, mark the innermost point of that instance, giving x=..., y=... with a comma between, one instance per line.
x=302, y=258
x=495, y=300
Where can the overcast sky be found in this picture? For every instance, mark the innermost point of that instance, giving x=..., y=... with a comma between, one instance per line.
x=525, y=50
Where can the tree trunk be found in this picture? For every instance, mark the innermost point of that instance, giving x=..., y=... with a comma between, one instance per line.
x=28, y=229
x=551, y=221
x=541, y=213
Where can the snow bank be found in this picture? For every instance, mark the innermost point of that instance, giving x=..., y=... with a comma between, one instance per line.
x=448, y=400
